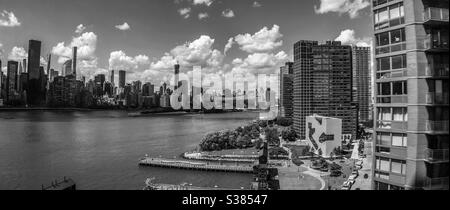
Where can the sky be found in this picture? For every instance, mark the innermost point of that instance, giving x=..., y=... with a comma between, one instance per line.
x=147, y=37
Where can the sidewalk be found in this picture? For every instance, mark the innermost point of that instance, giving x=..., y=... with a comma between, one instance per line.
x=360, y=182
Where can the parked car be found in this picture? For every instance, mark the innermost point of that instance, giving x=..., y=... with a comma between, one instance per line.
x=356, y=173
x=347, y=185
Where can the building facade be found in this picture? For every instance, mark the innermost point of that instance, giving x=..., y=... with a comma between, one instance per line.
x=362, y=94
x=412, y=98
x=323, y=84
x=34, y=94
x=324, y=134
x=287, y=90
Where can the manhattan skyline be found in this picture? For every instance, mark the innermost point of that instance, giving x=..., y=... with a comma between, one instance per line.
x=131, y=36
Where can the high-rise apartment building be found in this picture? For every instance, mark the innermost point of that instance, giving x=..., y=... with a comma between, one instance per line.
x=34, y=95
x=74, y=61
x=412, y=98
x=362, y=94
x=122, y=78
x=286, y=90
x=11, y=81
x=323, y=84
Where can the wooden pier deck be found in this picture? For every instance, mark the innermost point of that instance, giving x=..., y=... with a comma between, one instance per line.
x=190, y=165
x=168, y=187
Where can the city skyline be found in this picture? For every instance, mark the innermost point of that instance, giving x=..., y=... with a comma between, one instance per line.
x=130, y=42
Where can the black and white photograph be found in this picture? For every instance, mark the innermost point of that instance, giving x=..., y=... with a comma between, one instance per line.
x=242, y=96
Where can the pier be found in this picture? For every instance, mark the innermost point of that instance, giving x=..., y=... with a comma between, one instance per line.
x=189, y=165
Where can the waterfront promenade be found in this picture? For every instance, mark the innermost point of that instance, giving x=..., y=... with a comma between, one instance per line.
x=190, y=165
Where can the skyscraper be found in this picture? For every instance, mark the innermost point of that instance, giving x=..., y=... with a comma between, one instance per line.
x=34, y=94
x=74, y=61
x=34, y=56
x=49, y=63
x=24, y=63
x=67, y=68
x=323, y=84
x=361, y=81
x=112, y=78
x=412, y=98
x=11, y=81
x=122, y=78
x=286, y=90
x=177, y=76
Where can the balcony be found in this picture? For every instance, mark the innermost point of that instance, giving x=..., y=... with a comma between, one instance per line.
x=437, y=126
x=437, y=98
x=437, y=70
x=436, y=155
x=436, y=183
x=392, y=125
x=395, y=99
x=390, y=48
x=435, y=44
x=435, y=16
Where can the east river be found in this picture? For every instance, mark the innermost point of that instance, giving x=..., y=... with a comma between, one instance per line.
x=100, y=150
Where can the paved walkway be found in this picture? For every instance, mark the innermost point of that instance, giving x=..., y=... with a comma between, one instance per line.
x=316, y=174
x=360, y=182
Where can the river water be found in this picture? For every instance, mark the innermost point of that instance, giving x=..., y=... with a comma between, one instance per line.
x=100, y=150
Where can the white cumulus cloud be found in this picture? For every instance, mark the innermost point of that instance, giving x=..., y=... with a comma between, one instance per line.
x=228, y=46
x=80, y=29
x=86, y=44
x=228, y=13
x=120, y=61
x=185, y=12
x=203, y=15
x=205, y=2
x=260, y=63
x=123, y=27
x=8, y=19
x=351, y=7
x=264, y=40
x=347, y=37
x=256, y=4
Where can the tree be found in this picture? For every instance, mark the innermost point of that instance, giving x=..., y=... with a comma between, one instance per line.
x=289, y=134
x=272, y=136
x=282, y=121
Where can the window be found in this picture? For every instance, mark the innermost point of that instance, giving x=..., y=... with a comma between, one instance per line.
x=384, y=64
x=382, y=175
x=383, y=138
x=399, y=114
x=382, y=164
x=399, y=140
x=383, y=39
x=384, y=114
x=398, y=166
x=398, y=88
x=397, y=36
x=384, y=150
x=398, y=61
x=389, y=16
x=386, y=89
x=390, y=37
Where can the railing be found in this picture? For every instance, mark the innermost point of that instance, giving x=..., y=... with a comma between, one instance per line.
x=433, y=13
x=434, y=44
x=436, y=183
x=437, y=70
x=392, y=125
x=437, y=125
x=437, y=98
x=436, y=154
x=392, y=74
x=390, y=48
